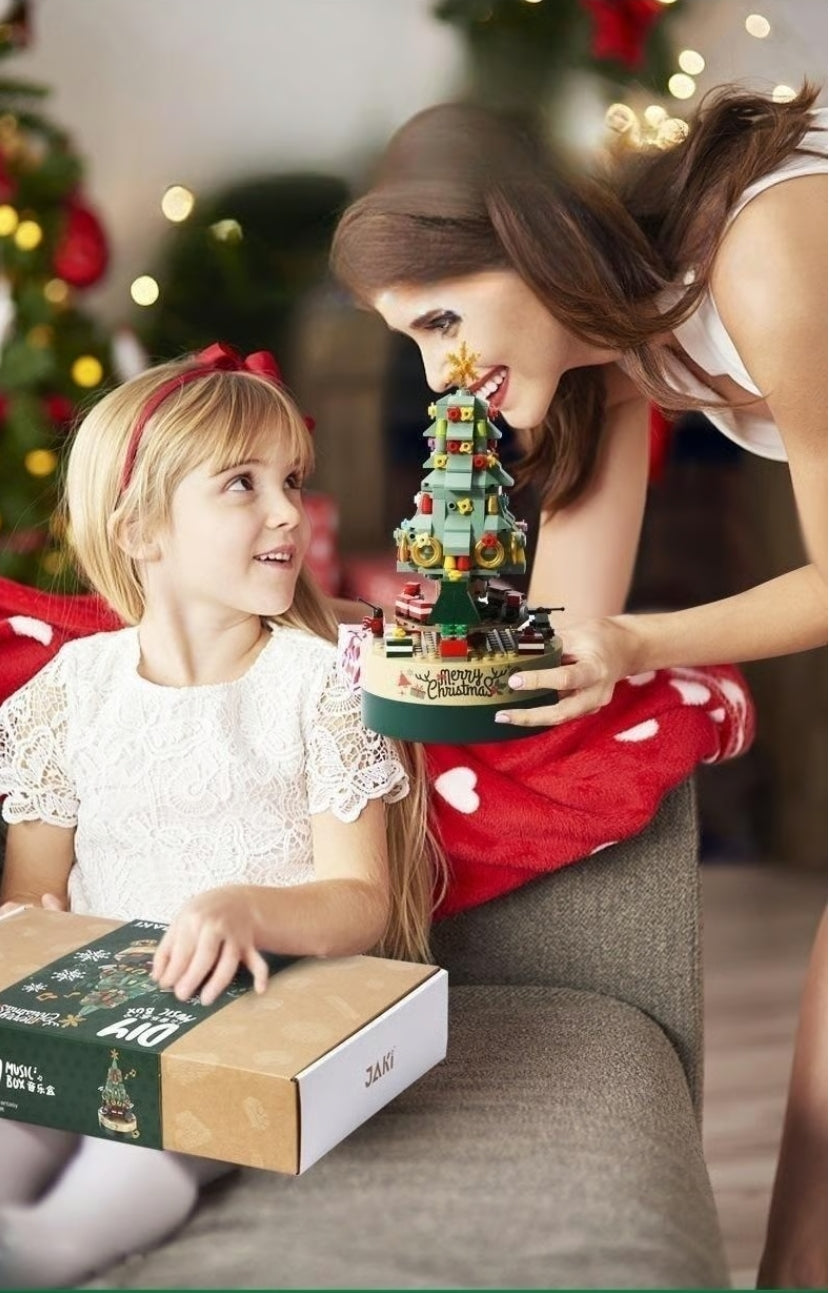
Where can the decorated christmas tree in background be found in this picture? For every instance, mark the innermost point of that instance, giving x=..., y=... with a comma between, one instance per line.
x=524, y=53
x=53, y=355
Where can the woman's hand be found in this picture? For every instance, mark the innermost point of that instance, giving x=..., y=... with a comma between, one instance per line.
x=209, y=939
x=596, y=654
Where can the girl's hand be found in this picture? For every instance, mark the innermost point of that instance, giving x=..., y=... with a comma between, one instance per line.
x=52, y=903
x=49, y=901
x=206, y=943
x=596, y=654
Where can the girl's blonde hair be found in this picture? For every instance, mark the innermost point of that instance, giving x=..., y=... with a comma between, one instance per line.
x=219, y=419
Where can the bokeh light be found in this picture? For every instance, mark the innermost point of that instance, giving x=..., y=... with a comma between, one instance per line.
x=757, y=25
x=177, y=203
x=40, y=462
x=87, y=371
x=691, y=62
x=28, y=235
x=9, y=220
x=682, y=86
x=144, y=290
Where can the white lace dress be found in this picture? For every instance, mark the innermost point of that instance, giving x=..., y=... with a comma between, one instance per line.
x=174, y=790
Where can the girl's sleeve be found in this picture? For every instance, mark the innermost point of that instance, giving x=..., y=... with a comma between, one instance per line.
x=346, y=765
x=33, y=776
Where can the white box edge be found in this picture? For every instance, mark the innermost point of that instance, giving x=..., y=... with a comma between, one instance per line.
x=335, y=1094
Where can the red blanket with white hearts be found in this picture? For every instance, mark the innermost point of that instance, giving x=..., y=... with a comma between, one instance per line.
x=511, y=810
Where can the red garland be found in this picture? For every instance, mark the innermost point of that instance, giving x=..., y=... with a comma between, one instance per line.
x=82, y=253
x=621, y=29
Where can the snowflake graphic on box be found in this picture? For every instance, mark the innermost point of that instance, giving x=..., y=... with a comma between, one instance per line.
x=93, y=954
x=34, y=987
x=68, y=976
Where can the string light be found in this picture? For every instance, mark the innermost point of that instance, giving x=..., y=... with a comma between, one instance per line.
x=691, y=62
x=54, y=563
x=672, y=131
x=757, y=25
x=654, y=114
x=40, y=462
x=231, y=230
x=40, y=336
x=682, y=86
x=783, y=94
x=656, y=130
x=28, y=235
x=9, y=220
x=56, y=291
x=144, y=290
x=87, y=371
x=177, y=203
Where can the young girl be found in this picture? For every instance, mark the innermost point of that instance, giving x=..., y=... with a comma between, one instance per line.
x=695, y=278
x=205, y=767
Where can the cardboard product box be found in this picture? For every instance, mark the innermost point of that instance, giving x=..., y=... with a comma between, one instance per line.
x=89, y=1044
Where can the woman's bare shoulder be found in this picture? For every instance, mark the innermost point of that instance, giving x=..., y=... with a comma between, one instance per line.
x=777, y=242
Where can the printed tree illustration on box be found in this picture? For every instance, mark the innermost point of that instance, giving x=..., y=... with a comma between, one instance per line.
x=116, y=1112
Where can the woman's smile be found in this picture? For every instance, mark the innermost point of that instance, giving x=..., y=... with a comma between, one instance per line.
x=493, y=388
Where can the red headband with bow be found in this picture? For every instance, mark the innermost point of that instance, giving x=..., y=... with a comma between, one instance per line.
x=215, y=359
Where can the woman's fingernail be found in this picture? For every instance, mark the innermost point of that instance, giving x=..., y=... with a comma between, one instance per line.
x=501, y=717
x=517, y=680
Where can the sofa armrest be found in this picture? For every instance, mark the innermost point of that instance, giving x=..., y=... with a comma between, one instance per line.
x=624, y=923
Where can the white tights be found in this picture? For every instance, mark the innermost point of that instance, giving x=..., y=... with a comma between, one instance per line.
x=72, y=1205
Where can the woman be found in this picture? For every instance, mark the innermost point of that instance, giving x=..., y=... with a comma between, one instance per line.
x=692, y=278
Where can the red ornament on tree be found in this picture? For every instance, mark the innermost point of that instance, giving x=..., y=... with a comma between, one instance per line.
x=621, y=28
x=59, y=408
x=82, y=253
x=8, y=183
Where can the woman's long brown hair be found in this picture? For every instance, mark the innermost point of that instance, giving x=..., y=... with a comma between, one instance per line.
x=463, y=190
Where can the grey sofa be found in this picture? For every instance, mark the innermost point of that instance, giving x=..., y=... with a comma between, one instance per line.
x=559, y=1144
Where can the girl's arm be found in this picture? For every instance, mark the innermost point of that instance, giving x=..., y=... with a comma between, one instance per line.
x=38, y=860
x=770, y=285
x=341, y=913
x=586, y=552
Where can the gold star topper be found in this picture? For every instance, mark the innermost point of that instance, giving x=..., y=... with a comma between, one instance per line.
x=462, y=370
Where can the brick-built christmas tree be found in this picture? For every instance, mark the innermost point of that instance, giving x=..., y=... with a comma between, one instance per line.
x=53, y=356
x=441, y=670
